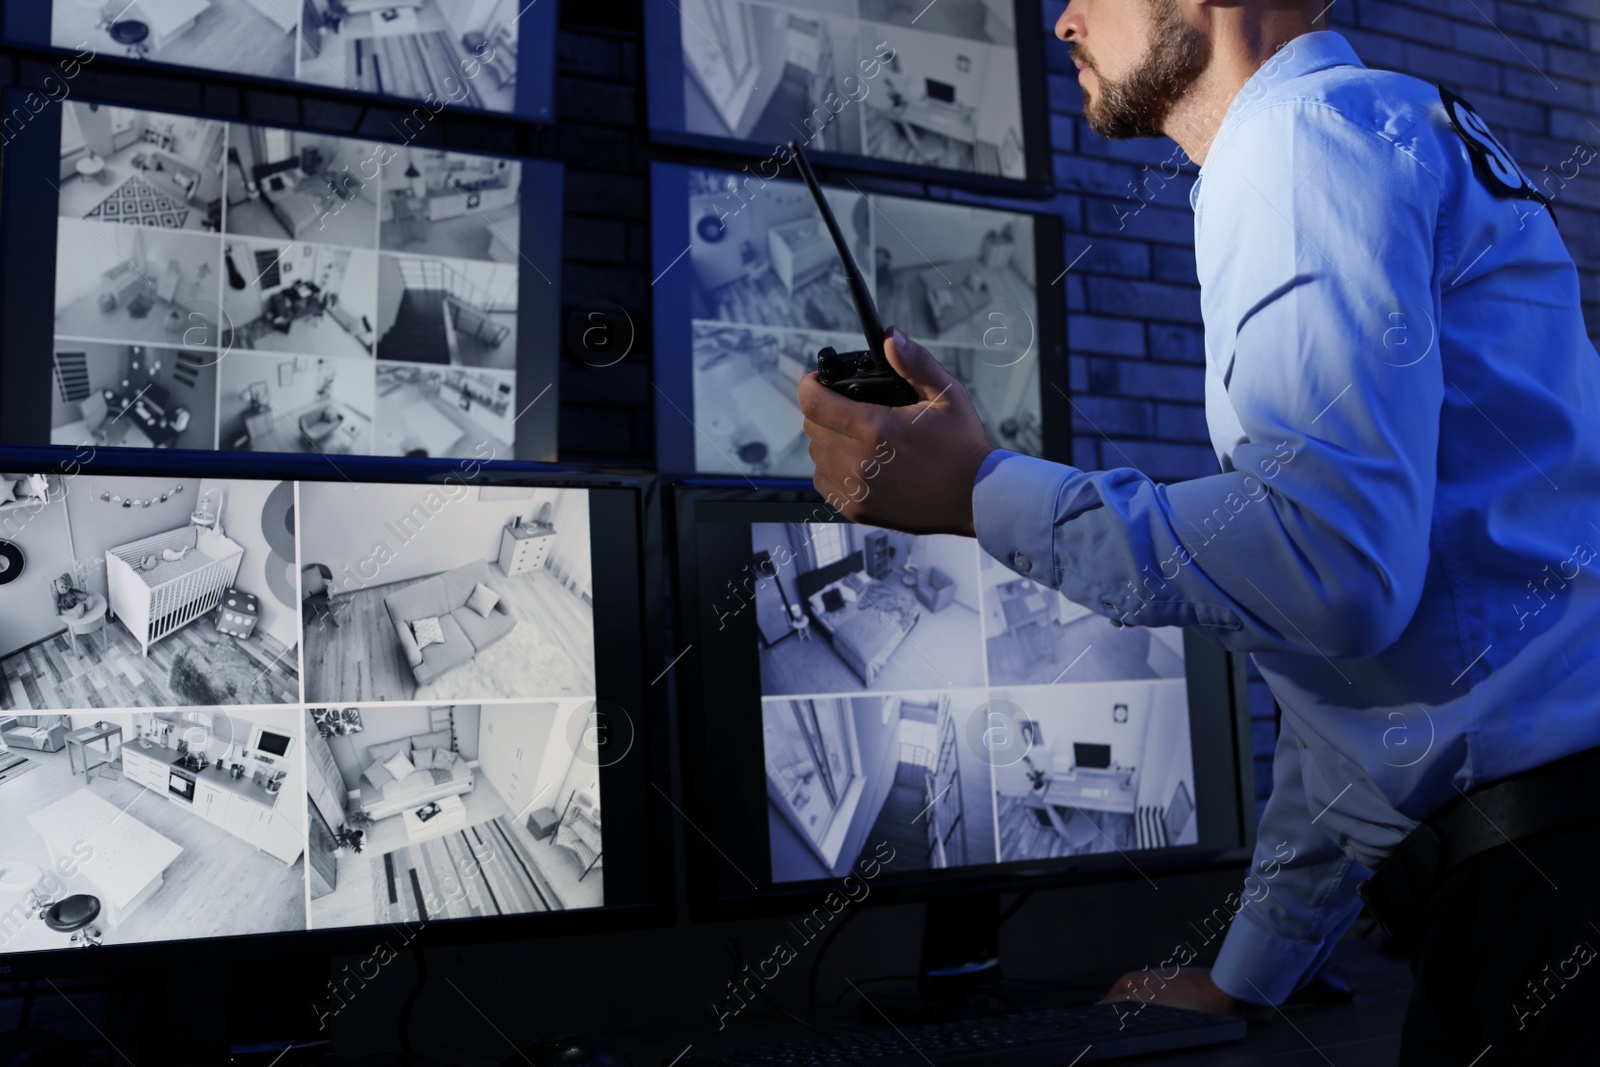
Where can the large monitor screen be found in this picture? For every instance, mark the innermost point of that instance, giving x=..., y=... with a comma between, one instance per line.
x=253, y=288
x=248, y=706
x=494, y=55
x=877, y=694
x=953, y=88
x=749, y=287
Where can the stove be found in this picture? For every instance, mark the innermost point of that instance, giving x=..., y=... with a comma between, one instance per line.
x=180, y=782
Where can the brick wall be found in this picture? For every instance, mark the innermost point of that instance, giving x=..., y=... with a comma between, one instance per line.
x=1134, y=333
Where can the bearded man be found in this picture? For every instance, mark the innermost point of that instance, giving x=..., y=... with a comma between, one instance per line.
x=1405, y=408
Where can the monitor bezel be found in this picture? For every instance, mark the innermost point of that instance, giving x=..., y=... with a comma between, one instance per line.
x=707, y=867
x=633, y=580
x=673, y=355
x=26, y=23
x=664, y=79
x=29, y=213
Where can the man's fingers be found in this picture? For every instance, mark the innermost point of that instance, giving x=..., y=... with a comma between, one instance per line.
x=916, y=365
x=831, y=440
x=823, y=406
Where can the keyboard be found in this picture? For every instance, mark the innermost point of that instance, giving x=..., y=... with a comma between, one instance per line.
x=1042, y=1037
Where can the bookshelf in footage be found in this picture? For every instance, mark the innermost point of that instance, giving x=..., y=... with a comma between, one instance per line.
x=252, y=288
x=878, y=650
x=234, y=706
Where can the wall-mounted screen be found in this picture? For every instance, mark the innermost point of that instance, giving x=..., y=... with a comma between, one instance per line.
x=749, y=286
x=252, y=288
x=952, y=88
x=494, y=55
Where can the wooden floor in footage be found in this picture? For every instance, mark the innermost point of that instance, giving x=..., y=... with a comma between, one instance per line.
x=108, y=671
x=219, y=886
x=550, y=652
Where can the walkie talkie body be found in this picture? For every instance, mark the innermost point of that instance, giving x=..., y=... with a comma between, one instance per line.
x=865, y=376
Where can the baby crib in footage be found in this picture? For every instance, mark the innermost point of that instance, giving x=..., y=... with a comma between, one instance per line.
x=154, y=603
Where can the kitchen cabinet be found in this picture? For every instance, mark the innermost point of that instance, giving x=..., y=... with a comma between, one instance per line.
x=141, y=768
x=275, y=832
x=210, y=803
x=234, y=805
x=524, y=549
x=238, y=816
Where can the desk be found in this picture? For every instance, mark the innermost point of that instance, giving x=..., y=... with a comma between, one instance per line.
x=1091, y=789
x=82, y=739
x=1365, y=1033
x=950, y=120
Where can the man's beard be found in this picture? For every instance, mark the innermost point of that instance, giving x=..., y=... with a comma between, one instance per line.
x=1138, y=104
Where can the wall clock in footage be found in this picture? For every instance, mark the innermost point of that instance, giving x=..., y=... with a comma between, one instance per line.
x=11, y=562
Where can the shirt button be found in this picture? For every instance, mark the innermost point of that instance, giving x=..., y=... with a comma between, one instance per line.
x=1022, y=563
x=1301, y=741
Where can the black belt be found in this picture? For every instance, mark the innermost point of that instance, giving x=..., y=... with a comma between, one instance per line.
x=1559, y=794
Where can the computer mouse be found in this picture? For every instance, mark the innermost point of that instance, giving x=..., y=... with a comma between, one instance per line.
x=570, y=1049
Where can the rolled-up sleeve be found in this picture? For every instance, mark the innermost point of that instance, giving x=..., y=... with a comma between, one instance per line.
x=1315, y=537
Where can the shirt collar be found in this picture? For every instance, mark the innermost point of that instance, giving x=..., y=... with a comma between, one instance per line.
x=1306, y=54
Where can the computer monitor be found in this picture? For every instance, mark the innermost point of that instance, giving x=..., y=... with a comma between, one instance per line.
x=259, y=708
x=1094, y=756
x=497, y=56
x=287, y=290
x=748, y=287
x=940, y=92
x=871, y=706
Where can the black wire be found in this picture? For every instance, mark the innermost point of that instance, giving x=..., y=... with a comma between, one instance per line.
x=816, y=962
x=27, y=1004
x=1016, y=906
x=411, y=1000
x=736, y=954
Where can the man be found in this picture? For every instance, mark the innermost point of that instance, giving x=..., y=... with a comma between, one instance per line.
x=1404, y=531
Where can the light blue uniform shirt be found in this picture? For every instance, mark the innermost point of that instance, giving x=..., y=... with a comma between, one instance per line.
x=1406, y=530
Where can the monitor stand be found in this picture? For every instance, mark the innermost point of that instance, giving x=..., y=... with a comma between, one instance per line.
x=960, y=976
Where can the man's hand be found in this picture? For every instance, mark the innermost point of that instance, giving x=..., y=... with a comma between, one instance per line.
x=1191, y=988
x=909, y=468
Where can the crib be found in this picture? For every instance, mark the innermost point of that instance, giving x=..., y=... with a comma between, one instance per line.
x=152, y=604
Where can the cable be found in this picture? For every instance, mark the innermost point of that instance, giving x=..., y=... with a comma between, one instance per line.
x=411, y=999
x=27, y=1004
x=736, y=954
x=816, y=962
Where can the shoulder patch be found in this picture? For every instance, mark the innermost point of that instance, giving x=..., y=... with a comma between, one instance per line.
x=1490, y=158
